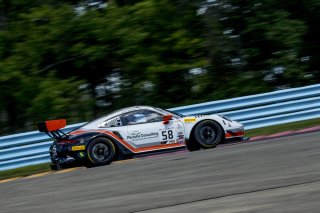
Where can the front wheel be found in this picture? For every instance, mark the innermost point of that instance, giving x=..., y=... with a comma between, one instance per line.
x=208, y=134
x=101, y=151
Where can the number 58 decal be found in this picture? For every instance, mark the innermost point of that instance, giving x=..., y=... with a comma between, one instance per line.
x=167, y=134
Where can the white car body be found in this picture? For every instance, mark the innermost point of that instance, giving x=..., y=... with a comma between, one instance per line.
x=133, y=131
x=152, y=132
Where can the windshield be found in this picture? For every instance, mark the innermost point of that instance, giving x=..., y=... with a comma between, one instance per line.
x=165, y=111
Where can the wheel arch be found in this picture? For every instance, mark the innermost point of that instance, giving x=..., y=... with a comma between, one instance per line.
x=193, y=129
x=113, y=141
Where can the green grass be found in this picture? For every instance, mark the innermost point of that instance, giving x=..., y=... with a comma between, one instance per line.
x=24, y=171
x=30, y=170
x=282, y=128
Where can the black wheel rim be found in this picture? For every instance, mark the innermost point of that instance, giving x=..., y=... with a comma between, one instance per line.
x=100, y=152
x=208, y=134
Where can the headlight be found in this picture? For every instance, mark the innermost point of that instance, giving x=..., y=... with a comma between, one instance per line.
x=68, y=141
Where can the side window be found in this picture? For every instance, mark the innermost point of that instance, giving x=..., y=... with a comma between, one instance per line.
x=141, y=116
x=152, y=116
x=113, y=122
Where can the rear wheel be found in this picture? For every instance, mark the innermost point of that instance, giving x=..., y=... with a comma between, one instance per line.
x=101, y=151
x=208, y=134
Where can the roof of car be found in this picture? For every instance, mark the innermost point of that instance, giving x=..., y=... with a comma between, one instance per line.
x=95, y=123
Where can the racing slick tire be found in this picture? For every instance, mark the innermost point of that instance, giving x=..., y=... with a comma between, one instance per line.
x=208, y=134
x=101, y=151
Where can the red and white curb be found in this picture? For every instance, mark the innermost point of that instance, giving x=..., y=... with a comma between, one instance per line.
x=286, y=133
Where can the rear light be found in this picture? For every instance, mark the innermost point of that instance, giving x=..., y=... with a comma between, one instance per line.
x=66, y=141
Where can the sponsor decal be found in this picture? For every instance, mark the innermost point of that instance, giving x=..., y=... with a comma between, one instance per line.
x=148, y=135
x=189, y=120
x=171, y=141
x=140, y=136
x=167, y=128
x=81, y=154
x=78, y=148
x=200, y=116
x=180, y=136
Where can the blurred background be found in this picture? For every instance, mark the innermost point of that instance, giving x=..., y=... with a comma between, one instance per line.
x=81, y=59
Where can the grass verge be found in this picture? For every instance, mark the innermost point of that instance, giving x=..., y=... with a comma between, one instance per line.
x=30, y=170
x=282, y=128
x=24, y=171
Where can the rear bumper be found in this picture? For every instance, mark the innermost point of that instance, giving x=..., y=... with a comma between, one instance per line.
x=61, y=155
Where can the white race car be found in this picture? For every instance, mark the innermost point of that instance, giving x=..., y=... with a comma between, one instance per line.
x=134, y=131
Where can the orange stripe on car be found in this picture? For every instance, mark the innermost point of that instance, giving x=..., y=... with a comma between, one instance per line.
x=129, y=146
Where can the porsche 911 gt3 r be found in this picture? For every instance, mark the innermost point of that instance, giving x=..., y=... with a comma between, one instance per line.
x=134, y=131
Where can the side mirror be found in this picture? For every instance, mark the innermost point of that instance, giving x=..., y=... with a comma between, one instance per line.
x=167, y=118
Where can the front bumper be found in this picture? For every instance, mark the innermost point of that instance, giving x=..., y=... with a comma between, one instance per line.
x=234, y=133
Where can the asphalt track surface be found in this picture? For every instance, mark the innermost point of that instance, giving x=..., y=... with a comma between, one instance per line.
x=277, y=175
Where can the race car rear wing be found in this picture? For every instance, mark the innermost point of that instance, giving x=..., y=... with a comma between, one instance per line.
x=52, y=128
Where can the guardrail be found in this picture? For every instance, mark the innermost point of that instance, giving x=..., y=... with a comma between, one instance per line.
x=253, y=111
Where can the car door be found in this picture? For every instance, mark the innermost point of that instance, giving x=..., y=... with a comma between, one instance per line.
x=145, y=128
